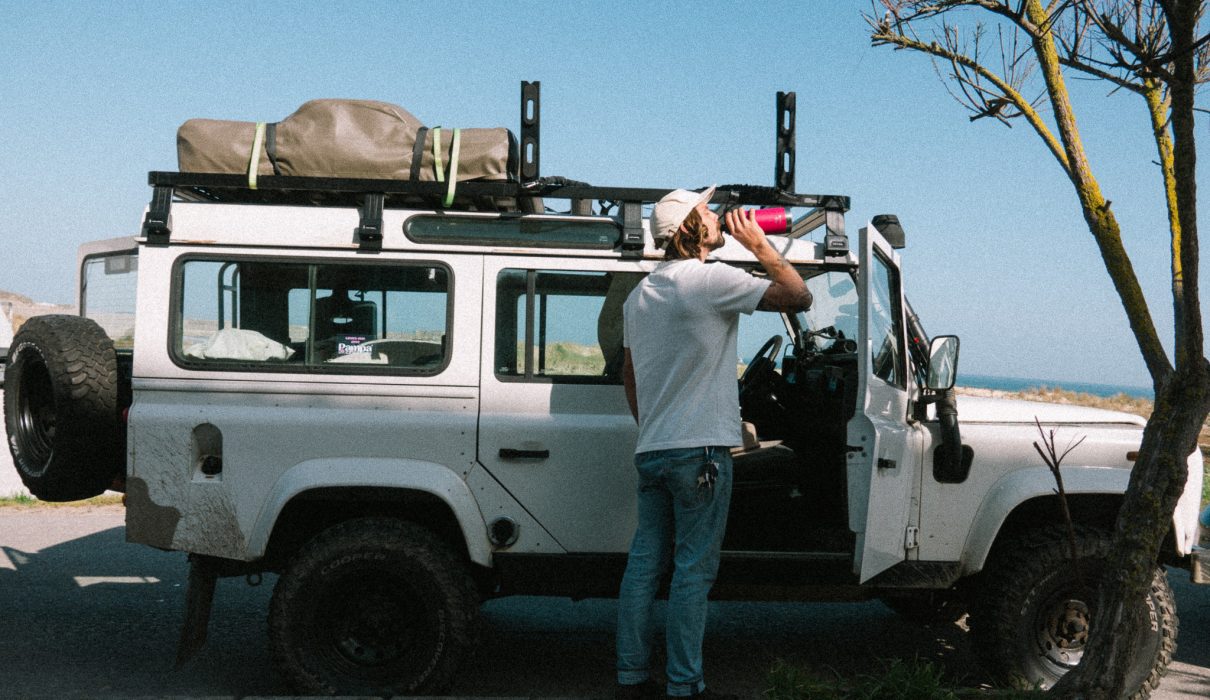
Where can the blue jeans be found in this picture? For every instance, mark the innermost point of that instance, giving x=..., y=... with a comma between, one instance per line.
x=681, y=522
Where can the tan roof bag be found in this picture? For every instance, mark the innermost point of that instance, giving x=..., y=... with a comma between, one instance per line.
x=347, y=139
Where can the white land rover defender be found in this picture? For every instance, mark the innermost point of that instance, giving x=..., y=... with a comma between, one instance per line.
x=405, y=408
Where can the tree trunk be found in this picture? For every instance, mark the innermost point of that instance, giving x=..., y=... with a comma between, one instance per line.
x=1156, y=483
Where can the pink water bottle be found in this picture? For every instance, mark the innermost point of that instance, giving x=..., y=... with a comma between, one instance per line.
x=771, y=220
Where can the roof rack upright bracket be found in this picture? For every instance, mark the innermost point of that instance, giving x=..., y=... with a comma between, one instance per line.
x=369, y=228
x=531, y=122
x=835, y=240
x=157, y=225
x=784, y=170
x=632, y=230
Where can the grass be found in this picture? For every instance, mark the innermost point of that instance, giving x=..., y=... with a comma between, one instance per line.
x=895, y=680
x=22, y=500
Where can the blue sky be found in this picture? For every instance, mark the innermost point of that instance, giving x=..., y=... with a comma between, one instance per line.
x=633, y=93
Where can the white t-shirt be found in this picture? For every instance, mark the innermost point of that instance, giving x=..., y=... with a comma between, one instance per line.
x=680, y=325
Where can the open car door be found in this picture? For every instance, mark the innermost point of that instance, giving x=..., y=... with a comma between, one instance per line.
x=883, y=448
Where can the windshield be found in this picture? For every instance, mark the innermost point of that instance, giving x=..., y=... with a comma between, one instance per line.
x=833, y=313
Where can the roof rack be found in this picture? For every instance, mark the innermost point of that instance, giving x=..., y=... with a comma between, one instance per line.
x=522, y=193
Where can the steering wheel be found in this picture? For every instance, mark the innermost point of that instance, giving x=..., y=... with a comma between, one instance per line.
x=762, y=364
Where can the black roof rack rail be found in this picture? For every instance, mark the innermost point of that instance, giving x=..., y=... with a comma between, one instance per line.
x=333, y=191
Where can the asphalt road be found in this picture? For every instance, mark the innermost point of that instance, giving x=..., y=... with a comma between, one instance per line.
x=87, y=615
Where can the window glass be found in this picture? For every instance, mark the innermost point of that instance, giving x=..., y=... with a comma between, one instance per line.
x=561, y=326
x=833, y=313
x=109, y=295
x=324, y=317
x=755, y=330
x=513, y=231
x=885, y=323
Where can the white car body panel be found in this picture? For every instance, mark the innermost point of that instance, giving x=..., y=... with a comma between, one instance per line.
x=285, y=434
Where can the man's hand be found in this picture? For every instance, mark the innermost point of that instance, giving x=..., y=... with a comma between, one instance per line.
x=744, y=229
x=787, y=293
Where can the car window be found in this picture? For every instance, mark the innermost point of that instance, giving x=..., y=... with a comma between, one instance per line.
x=561, y=326
x=108, y=284
x=833, y=314
x=886, y=323
x=314, y=316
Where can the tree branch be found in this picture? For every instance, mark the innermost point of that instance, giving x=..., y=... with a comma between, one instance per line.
x=884, y=35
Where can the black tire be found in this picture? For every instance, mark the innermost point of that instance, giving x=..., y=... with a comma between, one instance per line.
x=1033, y=614
x=373, y=606
x=61, y=408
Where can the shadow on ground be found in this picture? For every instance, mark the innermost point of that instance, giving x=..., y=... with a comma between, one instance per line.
x=96, y=616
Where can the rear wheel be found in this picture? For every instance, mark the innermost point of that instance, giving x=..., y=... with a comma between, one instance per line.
x=1037, y=608
x=61, y=408
x=373, y=606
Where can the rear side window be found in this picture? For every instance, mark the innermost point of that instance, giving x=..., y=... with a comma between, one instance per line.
x=299, y=316
x=108, y=288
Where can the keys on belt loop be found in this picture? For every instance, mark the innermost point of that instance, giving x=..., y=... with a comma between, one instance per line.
x=709, y=473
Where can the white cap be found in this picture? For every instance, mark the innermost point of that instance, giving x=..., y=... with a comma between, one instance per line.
x=670, y=212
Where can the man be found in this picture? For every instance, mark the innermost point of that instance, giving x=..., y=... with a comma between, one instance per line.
x=679, y=333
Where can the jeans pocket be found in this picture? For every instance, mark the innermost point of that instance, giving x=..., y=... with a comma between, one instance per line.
x=684, y=479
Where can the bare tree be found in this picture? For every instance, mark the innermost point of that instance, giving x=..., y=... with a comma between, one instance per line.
x=990, y=52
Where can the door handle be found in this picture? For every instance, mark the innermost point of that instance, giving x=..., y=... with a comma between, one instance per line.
x=510, y=453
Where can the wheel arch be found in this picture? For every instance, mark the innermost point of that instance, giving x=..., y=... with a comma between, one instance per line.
x=318, y=494
x=1028, y=498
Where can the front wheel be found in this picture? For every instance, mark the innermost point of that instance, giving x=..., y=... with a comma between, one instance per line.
x=373, y=606
x=1037, y=608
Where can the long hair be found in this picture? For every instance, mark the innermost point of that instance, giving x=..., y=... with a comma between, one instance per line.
x=687, y=241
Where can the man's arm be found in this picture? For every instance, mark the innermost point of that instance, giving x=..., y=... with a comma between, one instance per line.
x=787, y=291
x=632, y=396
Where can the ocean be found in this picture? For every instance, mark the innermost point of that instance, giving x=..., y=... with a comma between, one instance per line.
x=981, y=381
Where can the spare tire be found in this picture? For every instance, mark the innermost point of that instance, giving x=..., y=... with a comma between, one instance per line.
x=61, y=408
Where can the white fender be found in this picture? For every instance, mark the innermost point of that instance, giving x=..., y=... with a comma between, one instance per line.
x=1017, y=487
x=435, y=479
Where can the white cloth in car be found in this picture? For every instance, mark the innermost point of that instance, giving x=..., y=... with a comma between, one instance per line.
x=240, y=344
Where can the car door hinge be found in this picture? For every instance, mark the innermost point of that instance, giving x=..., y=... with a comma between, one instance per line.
x=911, y=539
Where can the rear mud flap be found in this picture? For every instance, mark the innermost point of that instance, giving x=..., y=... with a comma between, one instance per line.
x=199, y=598
x=1199, y=566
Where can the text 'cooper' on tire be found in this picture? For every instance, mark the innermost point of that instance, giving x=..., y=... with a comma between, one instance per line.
x=373, y=606
x=1034, y=615
x=61, y=410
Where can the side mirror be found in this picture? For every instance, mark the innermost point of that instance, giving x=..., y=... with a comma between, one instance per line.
x=943, y=363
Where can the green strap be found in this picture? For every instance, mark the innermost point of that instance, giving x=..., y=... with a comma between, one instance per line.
x=254, y=157
x=437, y=154
x=449, y=192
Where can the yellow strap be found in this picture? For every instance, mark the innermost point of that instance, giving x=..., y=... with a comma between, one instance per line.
x=254, y=157
x=449, y=192
x=437, y=154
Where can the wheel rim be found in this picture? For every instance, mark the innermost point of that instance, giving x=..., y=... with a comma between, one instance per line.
x=1062, y=630
x=373, y=626
x=35, y=429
